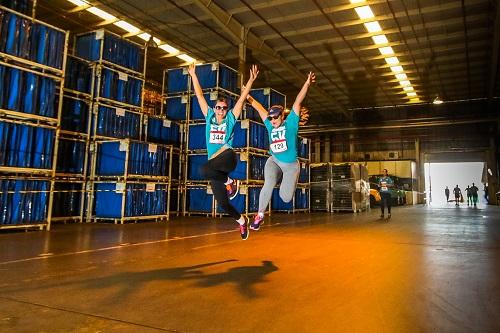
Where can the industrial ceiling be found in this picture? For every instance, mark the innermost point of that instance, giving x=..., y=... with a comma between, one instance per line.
x=446, y=49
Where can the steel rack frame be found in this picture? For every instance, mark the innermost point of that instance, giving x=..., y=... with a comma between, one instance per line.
x=110, y=64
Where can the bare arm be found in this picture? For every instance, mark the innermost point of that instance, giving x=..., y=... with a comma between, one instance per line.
x=254, y=71
x=197, y=90
x=311, y=78
x=257, y=106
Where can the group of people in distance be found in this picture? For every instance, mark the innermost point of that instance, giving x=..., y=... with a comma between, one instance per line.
x=471, y=191
x=283, y=137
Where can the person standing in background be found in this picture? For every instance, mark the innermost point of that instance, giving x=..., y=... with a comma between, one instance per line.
x=469, y=195
x=447, y=193
x=458, y=194
x=473, y=191
x=385, y=184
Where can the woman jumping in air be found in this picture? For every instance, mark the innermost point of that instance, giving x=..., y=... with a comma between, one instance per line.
x=283, y=138
x=219, y=136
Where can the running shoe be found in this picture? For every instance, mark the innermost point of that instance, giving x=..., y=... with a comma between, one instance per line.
x=257, y=222
x=244, y=230
x=232, y=189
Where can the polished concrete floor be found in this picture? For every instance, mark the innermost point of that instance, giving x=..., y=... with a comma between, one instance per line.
x=428, y=269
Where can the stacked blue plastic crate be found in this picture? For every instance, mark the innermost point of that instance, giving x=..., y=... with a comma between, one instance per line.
x=119, y=80
x=32, y=67
x=129, y=178
x=74, y=141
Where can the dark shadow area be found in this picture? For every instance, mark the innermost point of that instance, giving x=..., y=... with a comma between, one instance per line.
x=121, y=285
x=244, y=277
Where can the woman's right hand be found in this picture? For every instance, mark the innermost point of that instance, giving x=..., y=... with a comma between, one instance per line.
x=191, y=69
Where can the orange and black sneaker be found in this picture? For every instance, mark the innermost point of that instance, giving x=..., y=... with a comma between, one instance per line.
x=244, y=230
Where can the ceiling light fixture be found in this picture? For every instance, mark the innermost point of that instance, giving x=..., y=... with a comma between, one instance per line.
x=437, y=101
x=401, y=76
x=79, y=3
x=186, y=58
x=392, y=60
x=364, y=12
x=386, y=50
x=373, y=27
x=405, y=83
x=411, y=94
x=396, y=69
x=380, y=39
x=408, y=88
x=169, y=49
x=127, y=27
x=101, y=13
x=356, y=1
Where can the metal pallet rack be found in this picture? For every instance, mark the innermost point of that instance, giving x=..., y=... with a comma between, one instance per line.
x=72, y=171
x=29, y=120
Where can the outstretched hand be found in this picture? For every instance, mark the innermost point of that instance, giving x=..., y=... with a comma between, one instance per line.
x=191, y=69
x=254, y=71
x=311, y=78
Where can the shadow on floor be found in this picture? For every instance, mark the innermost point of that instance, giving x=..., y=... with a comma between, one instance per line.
x=118, y=287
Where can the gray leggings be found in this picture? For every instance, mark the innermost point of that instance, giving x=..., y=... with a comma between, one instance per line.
x=272, y=172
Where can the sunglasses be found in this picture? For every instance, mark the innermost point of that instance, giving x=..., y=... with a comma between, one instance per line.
x=219, y=107
x=273, y=117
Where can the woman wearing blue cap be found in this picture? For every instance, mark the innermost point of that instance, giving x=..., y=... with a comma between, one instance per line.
x=219, y=135
x=283, y=138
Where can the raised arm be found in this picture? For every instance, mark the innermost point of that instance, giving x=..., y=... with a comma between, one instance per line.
x=197, y=90
x=257, y=106
x=254, y=71
x=311, y=78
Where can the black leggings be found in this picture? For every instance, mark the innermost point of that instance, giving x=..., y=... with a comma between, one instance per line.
x=386, y=201
x=216, y=170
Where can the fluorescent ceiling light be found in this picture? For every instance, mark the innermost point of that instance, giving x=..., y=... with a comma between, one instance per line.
x=411, y=94
x=437, y=100
x=186, y=58
x=405, y=83
x=415, y=100
x=392, y=60
x=101, y=13
x=396, y=69
x=380, y=39
x=168, y=48
x=145, y=36
x=364, y=12
x=409, y=88
x=373, y=26
x=357, y=1
x=386, y=50
x=78, y=2
x=401, y=76
x=127, y=27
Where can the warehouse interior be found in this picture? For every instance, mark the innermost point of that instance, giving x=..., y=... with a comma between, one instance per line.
x=107, y=223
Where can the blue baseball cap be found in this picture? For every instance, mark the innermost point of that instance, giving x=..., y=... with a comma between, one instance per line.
x=275, y=110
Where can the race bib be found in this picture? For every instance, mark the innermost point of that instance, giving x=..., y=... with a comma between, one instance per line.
x=217, y=137
x=279, y=146
x=384, y=186
x=217, y=134
x=278, y=140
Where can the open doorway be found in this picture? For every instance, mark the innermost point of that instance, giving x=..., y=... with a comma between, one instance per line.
x=463, y=174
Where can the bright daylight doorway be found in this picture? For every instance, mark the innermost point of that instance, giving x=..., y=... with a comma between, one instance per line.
x=463, y=174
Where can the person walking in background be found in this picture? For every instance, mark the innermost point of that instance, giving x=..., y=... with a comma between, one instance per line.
x=486, y=193
x=385, y=184
x=469, y=195
x=458, y=193
x=473, y=191
x=447, y=193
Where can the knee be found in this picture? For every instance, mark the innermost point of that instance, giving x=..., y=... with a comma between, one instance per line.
x=286, y=197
